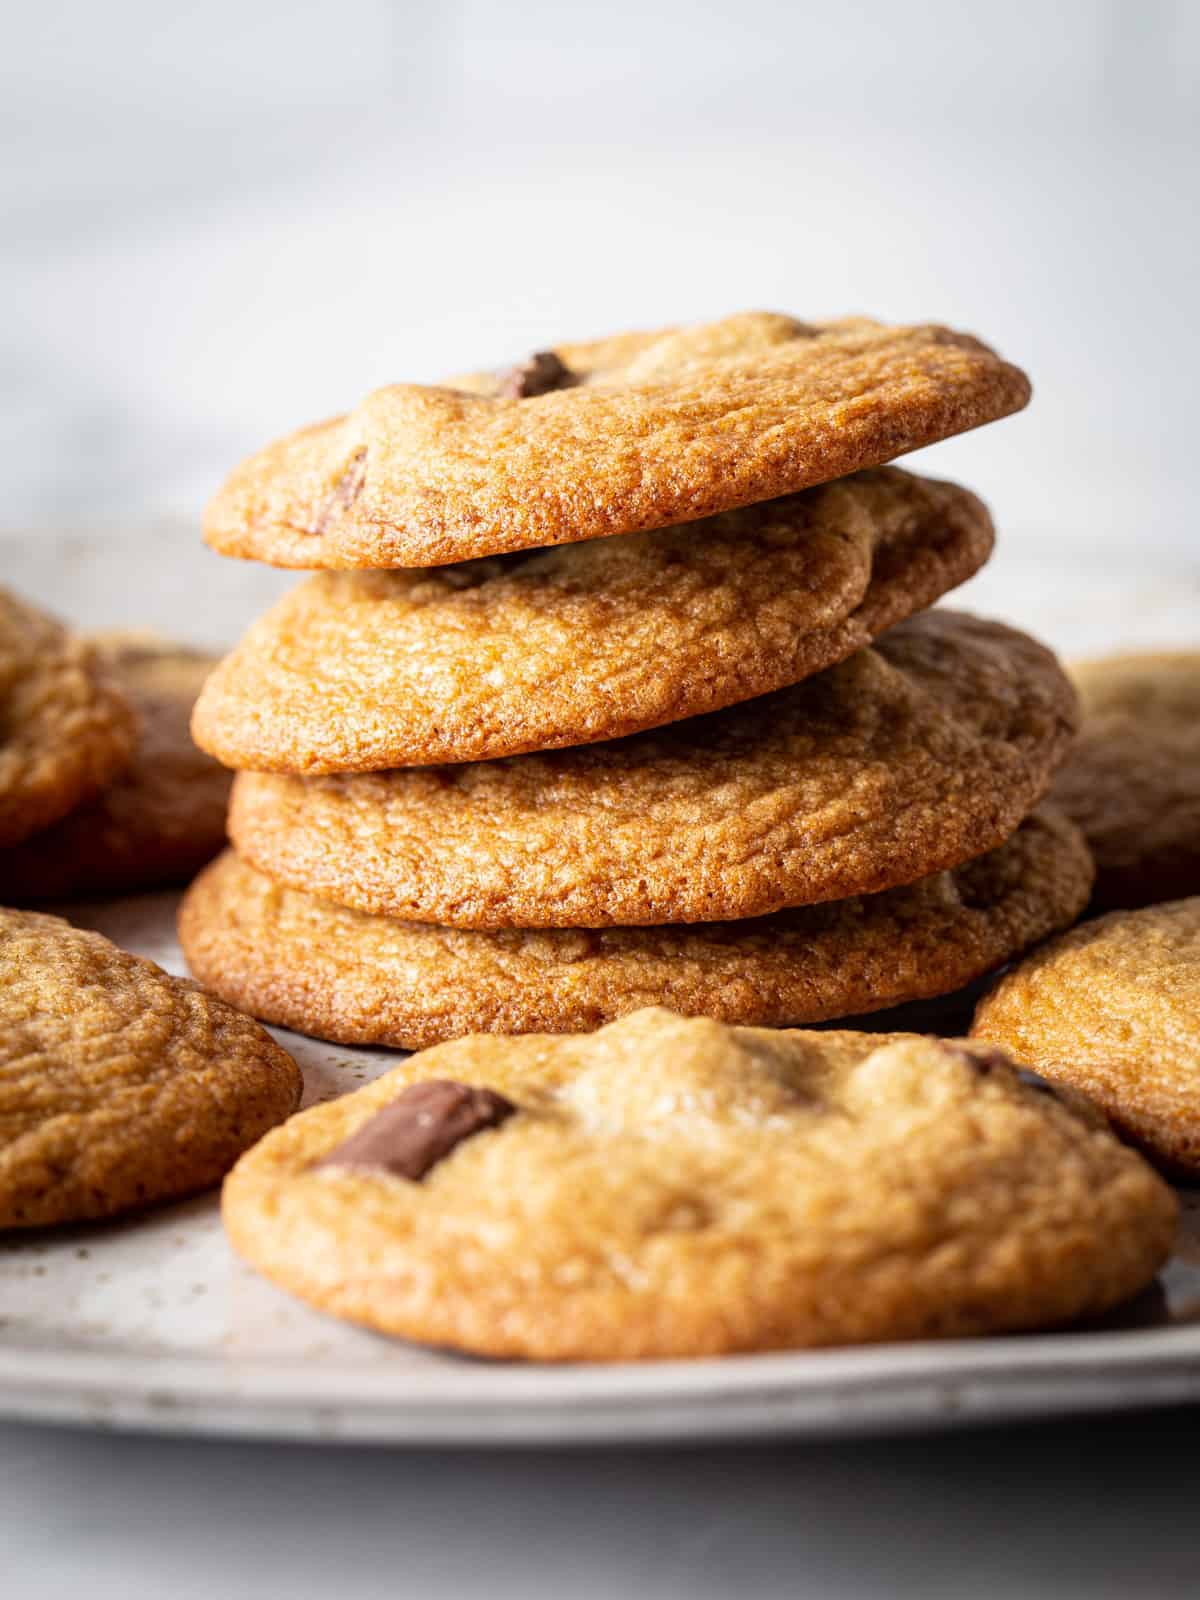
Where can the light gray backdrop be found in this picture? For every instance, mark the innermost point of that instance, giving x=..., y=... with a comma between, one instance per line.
x=221, y=220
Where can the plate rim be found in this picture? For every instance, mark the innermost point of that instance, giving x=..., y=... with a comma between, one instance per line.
x=807, y=1393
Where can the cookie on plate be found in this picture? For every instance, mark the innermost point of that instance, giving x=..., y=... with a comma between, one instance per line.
x=119, y=1085
x=65, y=730
x=681, y=1188
x=1133, y=779
x=910, y=757
x=360, y=671
x=622, y=434
x=298, y=961
x=162, y=819
x=1113, y=1009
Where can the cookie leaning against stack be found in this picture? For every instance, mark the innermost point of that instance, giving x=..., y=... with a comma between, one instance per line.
x=486, y=783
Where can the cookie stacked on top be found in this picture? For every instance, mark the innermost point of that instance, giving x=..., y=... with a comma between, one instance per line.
x=618, y=686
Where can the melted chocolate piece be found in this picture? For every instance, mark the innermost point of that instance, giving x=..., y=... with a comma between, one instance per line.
x=343, y=495
x=420, y=1127
x=1033, y=1080
x=543, y=372
x=981, y=1058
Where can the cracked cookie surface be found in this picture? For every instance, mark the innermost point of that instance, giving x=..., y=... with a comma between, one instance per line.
x=652, y=429
x=680, y=1188
x=1132, y=782
x=912, y=756
x=1112, y=1009
x=342, y=975
x=356, y=672
x=119, y=1085
x=162, y=818
x=65, y=730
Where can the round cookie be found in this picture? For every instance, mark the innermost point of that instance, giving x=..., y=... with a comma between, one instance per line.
x=360, y=671
x=1113, y=1009
x=321, y=969
x=162, y=819
x=1132, y=782
x=119, y=1085
x=671, y=1188
x=65, y=731
x=615, y=436
x=912, y=756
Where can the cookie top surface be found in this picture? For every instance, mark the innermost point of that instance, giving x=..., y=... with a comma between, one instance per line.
x=119, y=1085
x=679, y=1188
x=1113, y=1008
x=362, y=671
x=298, y=961
x=65, y=730
x=1132, y=781
x=912, y=756
x=163, y=818
x=645, y=430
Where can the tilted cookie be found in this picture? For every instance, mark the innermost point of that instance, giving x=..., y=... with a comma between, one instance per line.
x=638, y=431
x=680, y=1188
x=356, y=671
x=1113, y=1009
x=119, y=1085
x=301, y=962
x=912, y=756
x=65, y=730
x=1132, y=781
x=162, y=819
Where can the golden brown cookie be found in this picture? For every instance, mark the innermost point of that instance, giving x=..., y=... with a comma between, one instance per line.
x=680, y=1188
x=162, y=819
x=1133, y=780
x=119, y=1085
x=1113, y=1009
x=910, y=757
x=303, y=963
x=358, y=671
x=639, y=431
x=65, y=730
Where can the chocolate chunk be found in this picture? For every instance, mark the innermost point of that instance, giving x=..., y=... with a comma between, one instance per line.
x=343, y=495
x=1033, y=1080
x=980, y=1058
x=420, y=1126
x=543, y=372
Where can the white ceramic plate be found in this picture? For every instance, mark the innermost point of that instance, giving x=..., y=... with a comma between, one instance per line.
x=153, y=1324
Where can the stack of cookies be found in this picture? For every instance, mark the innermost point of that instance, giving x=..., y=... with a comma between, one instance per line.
x=619, y=687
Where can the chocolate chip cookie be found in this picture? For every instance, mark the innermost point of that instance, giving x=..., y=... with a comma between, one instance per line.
x=1133, y=780
x=910, y=757
x=119, y=1085
x=359, y=671
x=65, y=730
x=670, y=1188
x=162, y=819
x=616, y=436
x=1113, y=1009
x=300, y=962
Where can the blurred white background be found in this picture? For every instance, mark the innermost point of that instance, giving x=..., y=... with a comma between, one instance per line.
x=222, y=220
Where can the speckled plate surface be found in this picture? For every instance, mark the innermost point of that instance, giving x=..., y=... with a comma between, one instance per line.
x=152, y=1323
